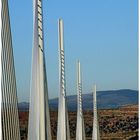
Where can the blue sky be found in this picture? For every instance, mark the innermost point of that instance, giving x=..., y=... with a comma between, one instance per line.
x=102, y=34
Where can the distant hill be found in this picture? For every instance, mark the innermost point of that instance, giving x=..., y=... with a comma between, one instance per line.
x=106, y=100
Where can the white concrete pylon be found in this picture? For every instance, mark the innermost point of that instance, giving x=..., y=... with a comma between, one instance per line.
x=80, y=130
x=39, y=116
x=95, y=133
x=63, y=132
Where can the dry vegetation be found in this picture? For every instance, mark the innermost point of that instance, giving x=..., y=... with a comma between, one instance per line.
x=116, y=124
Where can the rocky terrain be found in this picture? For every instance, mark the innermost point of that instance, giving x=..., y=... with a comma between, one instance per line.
x=115, y=124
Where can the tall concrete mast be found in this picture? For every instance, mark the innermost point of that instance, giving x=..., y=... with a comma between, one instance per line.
x=80, y=131
x=96, y=133
x=39, y=117
x=63, y=123
x=9, y=103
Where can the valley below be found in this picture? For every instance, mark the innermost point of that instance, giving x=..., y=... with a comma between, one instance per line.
x=115, y=124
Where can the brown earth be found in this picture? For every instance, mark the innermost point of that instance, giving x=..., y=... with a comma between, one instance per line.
x=115, y=124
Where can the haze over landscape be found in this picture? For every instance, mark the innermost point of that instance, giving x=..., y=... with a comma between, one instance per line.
x=102, y=34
